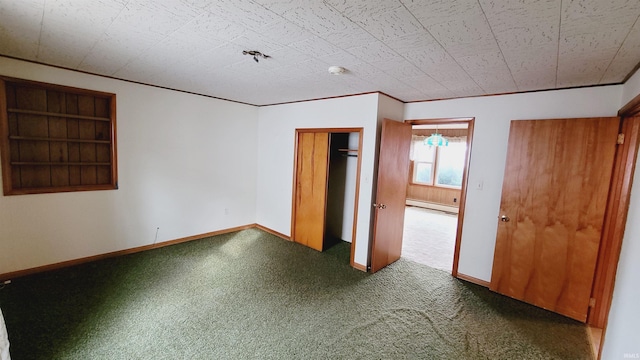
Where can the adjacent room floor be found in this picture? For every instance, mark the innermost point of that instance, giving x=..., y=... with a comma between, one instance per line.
x=429, y=237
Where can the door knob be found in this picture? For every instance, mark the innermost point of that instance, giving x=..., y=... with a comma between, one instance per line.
x=380, y=206
x=504, y=218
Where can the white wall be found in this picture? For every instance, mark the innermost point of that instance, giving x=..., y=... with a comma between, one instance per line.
x=630, y=89
x=489, y=148
x=182, y=159
x=276, y=134
x=622, y=335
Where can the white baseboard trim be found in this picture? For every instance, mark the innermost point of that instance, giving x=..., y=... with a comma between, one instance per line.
x=433, y=206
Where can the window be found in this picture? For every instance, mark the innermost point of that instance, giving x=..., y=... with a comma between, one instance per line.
x=55, y=138
x=438, y=166
x=450, y=164
x=424, y=172
x=424, y=161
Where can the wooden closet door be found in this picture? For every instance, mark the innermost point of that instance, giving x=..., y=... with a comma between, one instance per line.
x=311, y=189
x=554, y=196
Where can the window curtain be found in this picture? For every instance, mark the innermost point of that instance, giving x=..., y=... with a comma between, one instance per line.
x=418, y=140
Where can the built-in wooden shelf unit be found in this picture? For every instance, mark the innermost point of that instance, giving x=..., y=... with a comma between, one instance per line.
x=56, y=138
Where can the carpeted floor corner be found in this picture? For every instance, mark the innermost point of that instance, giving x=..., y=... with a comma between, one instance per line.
x=250, y=295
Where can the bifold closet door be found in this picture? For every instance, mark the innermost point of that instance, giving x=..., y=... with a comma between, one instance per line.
x=311, y=189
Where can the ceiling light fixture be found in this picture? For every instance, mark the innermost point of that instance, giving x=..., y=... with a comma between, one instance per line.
x=256, y=54
x=337, y=70
x=436, y=139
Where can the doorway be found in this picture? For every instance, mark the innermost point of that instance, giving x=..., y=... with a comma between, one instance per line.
x=439, y=161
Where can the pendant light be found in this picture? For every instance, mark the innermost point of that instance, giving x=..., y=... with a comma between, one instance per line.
x=436, y=139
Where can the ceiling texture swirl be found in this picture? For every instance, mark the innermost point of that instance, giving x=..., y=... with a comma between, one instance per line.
x=409, y=49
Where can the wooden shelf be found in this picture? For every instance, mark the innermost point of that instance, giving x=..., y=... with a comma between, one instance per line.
x=55, y=138
x=46, y=113
x=30, y=138
x=50, y=163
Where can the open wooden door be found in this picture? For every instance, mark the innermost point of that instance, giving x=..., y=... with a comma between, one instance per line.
x=393, y=172
x=554, y=197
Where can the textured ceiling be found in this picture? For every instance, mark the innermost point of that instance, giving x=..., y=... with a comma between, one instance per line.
x=409, y=49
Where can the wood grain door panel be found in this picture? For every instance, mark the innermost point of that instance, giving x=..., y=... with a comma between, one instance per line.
x=393, y=174
x=555, y=191
x=311, y=189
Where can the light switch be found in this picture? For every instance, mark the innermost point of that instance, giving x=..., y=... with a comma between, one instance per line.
x=479, y=185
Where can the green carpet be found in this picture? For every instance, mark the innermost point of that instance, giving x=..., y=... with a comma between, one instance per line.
x=252, y=295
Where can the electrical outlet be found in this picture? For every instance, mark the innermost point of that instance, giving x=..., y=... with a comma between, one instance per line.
x=479, y=185
x=455, y=200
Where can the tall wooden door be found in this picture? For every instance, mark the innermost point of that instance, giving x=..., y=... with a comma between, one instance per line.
x=312, y=166
x=393, y=174
x=554, y=196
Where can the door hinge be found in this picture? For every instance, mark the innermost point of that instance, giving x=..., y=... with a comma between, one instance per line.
x=620, y=139
x=592, y=302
